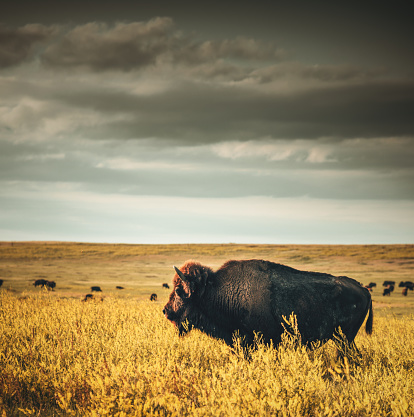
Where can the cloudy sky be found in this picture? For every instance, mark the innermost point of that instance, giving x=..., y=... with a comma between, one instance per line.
x=164, y=122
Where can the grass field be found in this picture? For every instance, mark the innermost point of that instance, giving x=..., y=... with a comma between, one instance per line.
x=142, y=269
x=60, y=356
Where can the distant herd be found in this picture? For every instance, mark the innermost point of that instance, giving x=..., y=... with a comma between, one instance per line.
x=51, y=285
x=389, y=287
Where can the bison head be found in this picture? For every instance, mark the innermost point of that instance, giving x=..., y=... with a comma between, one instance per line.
x=189, y=284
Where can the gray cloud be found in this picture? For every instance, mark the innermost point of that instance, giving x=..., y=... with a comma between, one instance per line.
x=133, y=46
x=240, y=48
x=202, y=112
x=18, y=44
x=349, y=170
x=100, y=47
x=144, y=112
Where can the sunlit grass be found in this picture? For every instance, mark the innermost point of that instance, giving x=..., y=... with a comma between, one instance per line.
x=121, y=357
x=61, y=356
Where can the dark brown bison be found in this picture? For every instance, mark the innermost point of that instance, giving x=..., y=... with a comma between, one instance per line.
x=408, y=284
x=119, y=287
x=370, y=286
x=88, y=297
x=50, y=285
x=91, y=297
x=97, y=289
x=388, y=283
x=1, y=282
x=45, y=283
x=153, y=297
x=166, y=286
x=254, y=295
x=388, y=290
x=405, y=291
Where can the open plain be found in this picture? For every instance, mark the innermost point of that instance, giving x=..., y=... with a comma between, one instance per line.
x=117, y=354
x=142, y=269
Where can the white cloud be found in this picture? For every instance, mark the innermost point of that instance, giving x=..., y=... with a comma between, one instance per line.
x=128, y=164
x=42, y=157
x=277, y=150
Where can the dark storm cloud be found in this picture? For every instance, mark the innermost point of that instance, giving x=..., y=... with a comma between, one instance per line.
x=100, y=47
x=129, y=46
x=18, y=44
x=324, y=73
x=202, y=112
x=134, y=116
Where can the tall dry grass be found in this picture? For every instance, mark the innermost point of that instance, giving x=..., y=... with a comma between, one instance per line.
x=121, y=357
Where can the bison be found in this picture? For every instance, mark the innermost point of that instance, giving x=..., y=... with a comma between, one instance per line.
x=50, y=285
x=370, y=286
x=45, y=283
x=408, y=284
x=118, y=287
x=388, y=283
x=254, y=296
x=1, y=282
x=88, y=297
x=97, y=289
x=153, y=297
x=166, y=286
x=388, y=290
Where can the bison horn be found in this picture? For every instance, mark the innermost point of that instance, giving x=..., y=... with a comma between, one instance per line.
x=180, y=274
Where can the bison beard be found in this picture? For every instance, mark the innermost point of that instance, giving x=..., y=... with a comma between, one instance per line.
x=253, y=296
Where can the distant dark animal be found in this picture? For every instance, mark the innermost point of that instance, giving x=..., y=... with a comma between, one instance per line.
x=97, y=289
x=45, y=283
x=370, y=286
x=153, y=297
x=404, y=291
x=408, y=284
x=119, y=288
x=1, y=282
x=50, y=285
x=388, y=283
x=92, y=297
x=166, y=286
x=251, y=296
x=388, y=290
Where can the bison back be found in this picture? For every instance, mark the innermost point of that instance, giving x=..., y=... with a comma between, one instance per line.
x=261, y=293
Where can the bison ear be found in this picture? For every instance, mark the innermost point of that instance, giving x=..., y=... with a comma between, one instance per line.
x=202, y=280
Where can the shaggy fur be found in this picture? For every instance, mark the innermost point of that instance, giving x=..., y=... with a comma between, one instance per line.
x=254, y=296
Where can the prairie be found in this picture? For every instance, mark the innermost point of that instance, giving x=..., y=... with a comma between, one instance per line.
x=60, y=356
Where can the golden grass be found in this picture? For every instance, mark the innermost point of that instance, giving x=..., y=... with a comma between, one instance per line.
x=59, y=356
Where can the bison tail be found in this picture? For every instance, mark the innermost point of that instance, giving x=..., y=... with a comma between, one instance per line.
x=368, y=324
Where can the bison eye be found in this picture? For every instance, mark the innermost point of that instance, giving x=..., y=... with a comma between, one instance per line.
x=180, y=292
